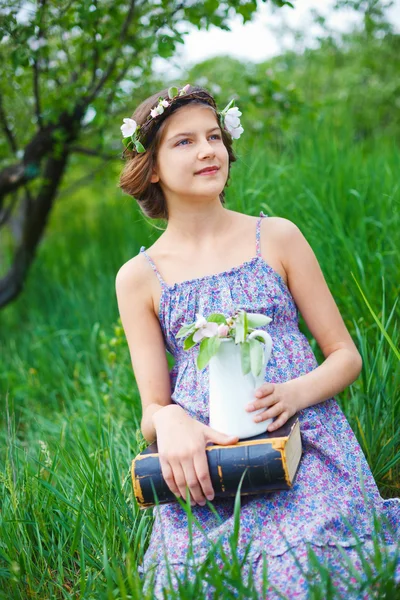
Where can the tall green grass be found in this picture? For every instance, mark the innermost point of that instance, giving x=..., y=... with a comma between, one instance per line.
x=69, y=526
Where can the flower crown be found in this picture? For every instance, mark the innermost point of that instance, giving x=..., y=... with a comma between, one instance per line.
x=131, y=130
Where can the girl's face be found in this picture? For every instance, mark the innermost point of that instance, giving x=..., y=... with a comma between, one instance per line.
x=190, y=142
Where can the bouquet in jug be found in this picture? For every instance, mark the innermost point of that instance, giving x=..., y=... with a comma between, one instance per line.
x=211, y=331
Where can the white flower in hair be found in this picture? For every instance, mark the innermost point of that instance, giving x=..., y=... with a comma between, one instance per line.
x=232, y=122
x=131, y=133
x=128, y=128
x=159, y=109
x=236, y=132
x=231, y=115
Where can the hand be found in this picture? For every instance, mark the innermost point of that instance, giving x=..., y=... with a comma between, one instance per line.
x=280, y=401
x=181, y=443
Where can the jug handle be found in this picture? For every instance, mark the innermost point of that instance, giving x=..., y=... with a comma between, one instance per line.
x=267, y=343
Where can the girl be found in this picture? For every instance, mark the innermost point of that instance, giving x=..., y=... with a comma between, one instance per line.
x=212, y=259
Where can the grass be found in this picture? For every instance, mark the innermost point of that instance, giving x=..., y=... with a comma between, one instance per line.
x=69, y=526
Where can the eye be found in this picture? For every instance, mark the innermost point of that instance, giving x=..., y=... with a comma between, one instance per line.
x=216, y=135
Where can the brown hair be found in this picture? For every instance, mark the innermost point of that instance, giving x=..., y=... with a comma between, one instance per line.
x=138, y=169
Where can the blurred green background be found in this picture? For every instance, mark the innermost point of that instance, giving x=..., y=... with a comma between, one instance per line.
x=320, y=148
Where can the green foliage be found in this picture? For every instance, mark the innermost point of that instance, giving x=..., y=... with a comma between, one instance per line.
x=216, y=318
x=208, y=347
x=70, y=408
x=89, y=61
x=355, y=79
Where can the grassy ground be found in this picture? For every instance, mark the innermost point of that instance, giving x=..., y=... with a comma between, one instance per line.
x=69, y=527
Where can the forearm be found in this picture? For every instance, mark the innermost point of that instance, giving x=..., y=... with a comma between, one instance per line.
x=337, y=371
x=148, y=425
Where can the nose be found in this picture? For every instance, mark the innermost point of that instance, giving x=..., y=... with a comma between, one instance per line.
x=206, y=149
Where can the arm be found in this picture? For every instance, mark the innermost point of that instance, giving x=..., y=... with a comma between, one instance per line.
x=342, y=363
x=184, y=463
x=311, y=294
x=145, y=341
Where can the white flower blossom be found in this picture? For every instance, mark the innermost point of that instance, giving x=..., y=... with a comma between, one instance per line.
x=35, y=44
x=223, y=330
x=204, y=328
x=232, y=122
x=128, y=128
x=206, y=331
x=200, y=320
x=277, y=96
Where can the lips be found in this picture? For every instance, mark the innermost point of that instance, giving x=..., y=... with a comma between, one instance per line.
x=207, y=169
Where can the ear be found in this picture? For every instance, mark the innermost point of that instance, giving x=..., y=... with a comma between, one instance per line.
x=154, y=177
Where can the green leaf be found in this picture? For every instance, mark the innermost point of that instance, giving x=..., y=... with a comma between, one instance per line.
x=240, y=328
x=208, y=347
x=127, y=142
x=259, y=338
x=186, y=330
x=245, y=357
x=245, y=324
x=256, y=357
x=189, y=343
x=228, y=106
x=377, y=321
x=172, y=92
x=139, y=147
x=256, y=320
x=246, y=10
x=166, y=46
x=217, y=318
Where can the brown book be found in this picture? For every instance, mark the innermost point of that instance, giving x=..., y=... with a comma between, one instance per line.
x=271, y=460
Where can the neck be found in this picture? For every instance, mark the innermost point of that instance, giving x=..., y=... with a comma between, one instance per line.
x=197, y=224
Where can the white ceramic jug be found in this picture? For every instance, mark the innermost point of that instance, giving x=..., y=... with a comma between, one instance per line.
x=231, y=391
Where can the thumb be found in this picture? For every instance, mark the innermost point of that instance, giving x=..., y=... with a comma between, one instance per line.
x=221, y=438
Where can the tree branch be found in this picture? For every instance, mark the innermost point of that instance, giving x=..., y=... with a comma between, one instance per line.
x=93, y=93
x=6, y=129
x=36, y=69
x=33, y=220
x=5, y=213
x=91, y=152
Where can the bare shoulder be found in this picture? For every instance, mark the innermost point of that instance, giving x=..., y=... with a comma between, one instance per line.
x=280, y=229
x=133, y=277
x=279, y=237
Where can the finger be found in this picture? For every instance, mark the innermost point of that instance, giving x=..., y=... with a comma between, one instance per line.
x=203, y=474
x=168, y=476
x=279, y=422
x=192, y=481
x=264, y=390
x=262, y=403
x=181, y=480
x=216, y=437
x=274, y=411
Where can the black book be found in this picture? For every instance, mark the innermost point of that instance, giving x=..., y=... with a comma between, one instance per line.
x=270, y=459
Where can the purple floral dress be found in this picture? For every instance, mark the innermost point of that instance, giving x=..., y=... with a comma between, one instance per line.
x=326, y=510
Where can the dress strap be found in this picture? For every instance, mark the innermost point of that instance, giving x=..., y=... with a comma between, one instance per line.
x=153, y=266
x=258, y=245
